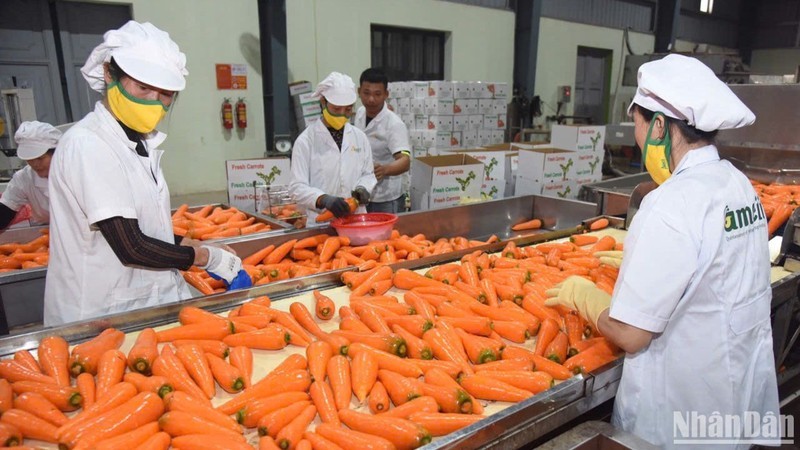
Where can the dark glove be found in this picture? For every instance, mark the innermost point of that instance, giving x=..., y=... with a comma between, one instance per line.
x=361, y=194
x=337, y=205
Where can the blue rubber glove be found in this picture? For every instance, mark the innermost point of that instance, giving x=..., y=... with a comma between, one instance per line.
x=241, y=281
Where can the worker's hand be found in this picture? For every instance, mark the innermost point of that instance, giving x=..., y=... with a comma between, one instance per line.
x=582, y=295
x=337, y=205
x=611, y=257
x=223, y=264
x=380, y=171
x=361, y=194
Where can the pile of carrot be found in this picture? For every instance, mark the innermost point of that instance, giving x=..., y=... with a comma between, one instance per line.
x=779, y=201
x=283, y=212
x=297, y=258
x=28, y=255
x=211, y=222
x=423, y=362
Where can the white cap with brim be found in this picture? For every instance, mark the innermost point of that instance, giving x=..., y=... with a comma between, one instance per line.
x=684, y=88
x=143, y=52
x=34, y=139
x=337, y=88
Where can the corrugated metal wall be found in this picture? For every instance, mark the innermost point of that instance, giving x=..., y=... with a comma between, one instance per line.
x=638, y=15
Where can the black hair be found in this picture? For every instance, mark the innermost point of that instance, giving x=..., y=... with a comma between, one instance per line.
x=373, y=75
x=690, y=133
x=115, y=70
x=50, y=151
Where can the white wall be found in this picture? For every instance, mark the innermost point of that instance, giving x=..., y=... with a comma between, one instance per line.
x=558, y=52
x=334, y=35
x=208, y=32
x=776, y=61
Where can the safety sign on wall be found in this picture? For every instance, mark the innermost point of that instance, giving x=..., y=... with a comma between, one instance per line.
x=247, y=177
x=231, y=76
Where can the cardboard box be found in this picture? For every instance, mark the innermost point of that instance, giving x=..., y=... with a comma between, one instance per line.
x=307, y=98
x=419, y=89
x=440, y=89
x=560, y=189
x=465, y=106
x=300, y=87
x=578, y=137
x=440, y=181
x=500, y=106
x=408, y=120
x=469, y=138
x=460, y=123
x=486, y=106
x=547, y=165
x=417, y=106
x=476, y=121
x=494, y=121
x=311, y=108
x=493, y=189
x=403, y=106
x=498, y=163
x=440, y=123
x=438, y=106
x=589, y=166
x=498, y=136
x=462, y=89
x=427, y=138
x=399, y=89
x=526, y=186
x=419, y=152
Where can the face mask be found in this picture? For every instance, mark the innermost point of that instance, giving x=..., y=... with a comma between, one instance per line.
x=657, y=152
x=335, y=121
x=140, y=115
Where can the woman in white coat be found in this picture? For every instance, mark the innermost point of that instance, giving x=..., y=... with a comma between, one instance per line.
x=332, y=159
x=691, y=306
x=36, y=143
x=112, y=248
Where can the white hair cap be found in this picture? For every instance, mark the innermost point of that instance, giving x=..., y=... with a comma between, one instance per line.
x=34, y=139
x=142, y=51
x=338, y=89
x=686, y=89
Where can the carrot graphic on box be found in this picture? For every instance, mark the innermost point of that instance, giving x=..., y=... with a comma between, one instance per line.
x=565, y=193
x=565, y=169
x=595, y=140
x=464, y=182
x=593, y=165
x=487, y=169
x=269, y=178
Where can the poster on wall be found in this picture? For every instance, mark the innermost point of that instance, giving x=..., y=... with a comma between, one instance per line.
x=231, y=76
x=247, y=179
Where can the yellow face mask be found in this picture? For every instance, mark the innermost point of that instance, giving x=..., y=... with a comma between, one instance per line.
x=657, y=152
x=336, y=121
x=140, y=115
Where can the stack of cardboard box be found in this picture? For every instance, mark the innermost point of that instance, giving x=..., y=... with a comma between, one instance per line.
x=306, y=109
x=443, y=115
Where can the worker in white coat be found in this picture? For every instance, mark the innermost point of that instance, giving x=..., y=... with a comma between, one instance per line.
x=36, y=143
x=332, y=159
x=112, y=248
x=691, y=306
x=388, y=137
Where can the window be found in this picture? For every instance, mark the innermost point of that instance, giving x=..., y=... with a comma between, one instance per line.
x=707, y=6
x=407, y=54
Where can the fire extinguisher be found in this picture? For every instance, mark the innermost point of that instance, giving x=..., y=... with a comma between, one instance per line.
x=241, y=114
x=227, y=114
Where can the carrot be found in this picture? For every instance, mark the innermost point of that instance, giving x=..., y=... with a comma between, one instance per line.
x=274, y=383
x=419, y=404
x=154, y=383
x=440, y=424
x=227, y=376
x=380, y=287
x=779, y=217
x=14, y=371
x=486, y=388
x=557, y=349
x=387, y=361
x=198, y=282
x=513, y=331
x=329, y=248
x=449, y=399
x=65, y=398
x=194, y=361
x=378, y=398
x=390, y=343
x=598, y=224
x=251, y=413
x=404, y=434
x=318, y=353
x=583, y=239
x=406, y=279
x=364, y=374
x=258, y=257
x=26, y=360
x=280, y=252
x=605, y=243
x=272, y=423
x=158, y=441
x=168, y=365
x=503, y=365
x=6, y=396
x=547, y=333
x=53, y=355
x=212, y=330
x=292, y=433
x=310, y=242
x=303, y=316
x=10, y=436
x=533, y=224
x=242, y=358
x=110, y=370
x=142, y=409
x=214, y=347
x=267, y=443
x=30, y=426
x=417, y=348
x=324, y=305
x=40, y=407
x=288, y=321
x=339, y=375
x=480, y=350
x=423, y=308
x=180, y=423
x=190, y=314
x=273, y=337
x=401, y=389
x=443, y=349
x=143, y=352
x=323, y=398
x=320, y=443
x=534, y=382
x=558, y=371
x=130, y=439
x=119, y=394
x=346, y=438
x=209, y=442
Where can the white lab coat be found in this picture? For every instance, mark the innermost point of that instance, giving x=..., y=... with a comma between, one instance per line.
x=705, y=293
x=27, y=188
x=96, y=174
x=387, y=136
x=318, y=167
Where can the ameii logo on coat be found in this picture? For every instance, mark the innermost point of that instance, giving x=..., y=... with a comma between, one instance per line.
x=743, y=219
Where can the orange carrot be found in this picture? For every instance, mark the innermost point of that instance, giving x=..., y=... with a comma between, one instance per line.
x=26, y=360
x=323, y=398
x=404, y=434
x=486, y=388
x=320, y=443
x=417, y=348
x=387, y=360
x=10, y=436
x=534, y=382
x=258, y=257
x=14, y=371
x=598, y=224
x=401, y=389
x=346, y=438
x=143, y=352
x=547, y=333
x=605, y=243
x=272, y=423
x=214, y=347
x=119, y=394
x=557, y=349
x=6, y=396
x=324, y=305
x=190, y=314
x=251, y=413
x=212, y=330
x=292, y=433
x=274, y=383
x=304, y=318
x=54, y=358
x=273, y=337
x=168, y=365
x=329, y=248
x=280, y=252
x=419, y=404
x=583, y=239
x=194, y=361
x=154, y=383
x=228, y=376
x=511, y=330
x=64, y=397
x=364, y=369
x=390, y=343
x=130, y=439
x=30, y=426
x=242, y=358
x=440, y=424
x=506, y=365
x=449, y=399
x=40, y=407
x=208, y=441
x=479, y=349
x=339, y=375
x=198, y=283
x=180, y=423
x=110, y=370
x=378, y=398
x=181, y=401
x=158, y=441
x=533, y=224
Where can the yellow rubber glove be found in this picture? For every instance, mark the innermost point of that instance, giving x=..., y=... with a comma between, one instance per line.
x=611, y=257
x=582, y=295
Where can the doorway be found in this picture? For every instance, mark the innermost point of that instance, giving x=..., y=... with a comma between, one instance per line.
x=592, y=83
